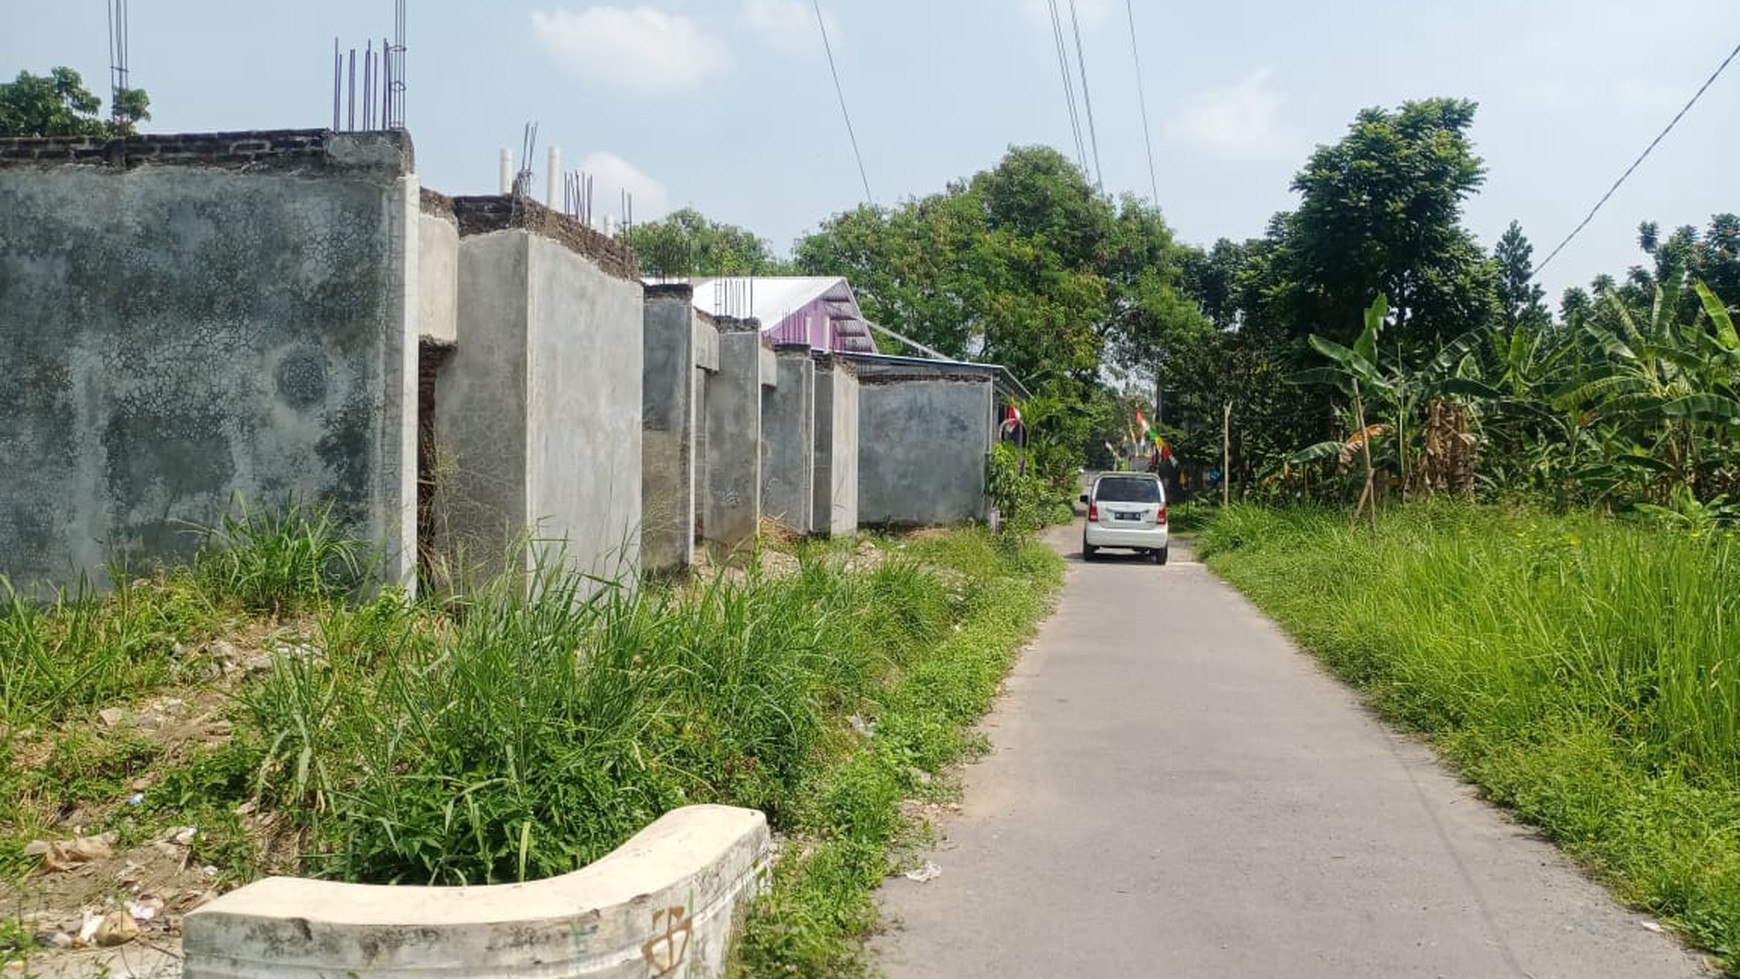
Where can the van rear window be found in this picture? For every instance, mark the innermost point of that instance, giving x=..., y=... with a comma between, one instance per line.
x=1127, y=490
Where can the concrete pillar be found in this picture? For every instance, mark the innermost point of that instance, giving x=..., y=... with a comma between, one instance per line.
x=731, y=508
x=836, y=448
x=788, y=441
x=668, y=423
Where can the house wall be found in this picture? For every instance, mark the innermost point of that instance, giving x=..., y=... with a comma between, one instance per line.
x=679, y=346
x=583, y=407
x=788, y=443
x=188, y=321
x=732, y=504
x=539, y=407
x=437, y=270
x=926, y=462
x=836, y=448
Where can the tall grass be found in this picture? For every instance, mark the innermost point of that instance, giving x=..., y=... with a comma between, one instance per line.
x=280, y=559
x=1584, y=671
x=541, y=727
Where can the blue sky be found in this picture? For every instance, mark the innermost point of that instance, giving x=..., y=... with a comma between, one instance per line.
x=727, y=105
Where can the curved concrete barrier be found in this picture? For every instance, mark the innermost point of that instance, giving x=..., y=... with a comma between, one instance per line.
x=662, y=905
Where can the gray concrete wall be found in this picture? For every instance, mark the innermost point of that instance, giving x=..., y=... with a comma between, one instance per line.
x=836, y=448
x=788, y=444
x=480, y=441
x=668, y=414
x=538, y=410
x=583, y=410
x=731, y=507
x=437, y=270
x=925, y=464
x=185, y=320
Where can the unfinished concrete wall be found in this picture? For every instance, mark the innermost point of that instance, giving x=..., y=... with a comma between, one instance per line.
x=788, y=443
x=538, y=411
x=836, y=447
x=679, y=346
x=185, y=320
x=925, y=464
x=731, y=507
x=437, y=270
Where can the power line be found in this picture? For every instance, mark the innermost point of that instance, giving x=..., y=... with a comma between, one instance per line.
x=1068, y=86
x=1142, y=100
x=1641, y=157
x=1087, y=98
x=841, y=92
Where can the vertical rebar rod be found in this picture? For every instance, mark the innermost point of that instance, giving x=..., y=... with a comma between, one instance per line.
x=350, y=115
x=337, y=81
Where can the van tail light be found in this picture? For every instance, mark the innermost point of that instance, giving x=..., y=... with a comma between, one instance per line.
x=1161, y=516
x=1094, y=512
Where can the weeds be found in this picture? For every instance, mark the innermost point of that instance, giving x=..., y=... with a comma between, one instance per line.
x=1581, y=670
x=280, y=560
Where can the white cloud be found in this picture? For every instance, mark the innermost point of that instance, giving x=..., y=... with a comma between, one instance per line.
x=641, y=49
x=1090, y=13
x=611, y=175
x=789, y=25
x=1242, y=121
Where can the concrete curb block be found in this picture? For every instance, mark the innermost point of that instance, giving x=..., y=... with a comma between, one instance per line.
x=664, y=905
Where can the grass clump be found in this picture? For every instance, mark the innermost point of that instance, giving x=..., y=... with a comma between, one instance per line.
x=1581, y=670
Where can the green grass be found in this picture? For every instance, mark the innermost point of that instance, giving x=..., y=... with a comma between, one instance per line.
x=528, y=726
x=821, y=908
x=1582, y=671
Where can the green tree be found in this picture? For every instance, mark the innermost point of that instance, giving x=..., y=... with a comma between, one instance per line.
x=1380, y=212
x=1518, y=294
x=687, y=243
x=1028, y=266
x=58, y=104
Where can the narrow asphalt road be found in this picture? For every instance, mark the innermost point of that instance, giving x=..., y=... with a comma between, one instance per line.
x=1175, y=791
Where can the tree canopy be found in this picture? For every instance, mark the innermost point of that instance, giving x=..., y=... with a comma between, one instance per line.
x=686, y=243
x=58, y=104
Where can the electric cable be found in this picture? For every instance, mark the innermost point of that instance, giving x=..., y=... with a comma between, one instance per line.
x=1640, y=158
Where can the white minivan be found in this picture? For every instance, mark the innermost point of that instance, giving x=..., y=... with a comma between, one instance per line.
x=1125, y=510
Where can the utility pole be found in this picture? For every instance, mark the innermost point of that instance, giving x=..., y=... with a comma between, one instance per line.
x=1226, y=455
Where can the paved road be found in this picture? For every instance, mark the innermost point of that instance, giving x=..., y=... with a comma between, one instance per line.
x=1174, y=791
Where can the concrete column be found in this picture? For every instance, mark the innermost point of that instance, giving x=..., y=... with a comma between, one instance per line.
x=668, y=413
x=788, y=442
x=836, y=448
x=731, y=510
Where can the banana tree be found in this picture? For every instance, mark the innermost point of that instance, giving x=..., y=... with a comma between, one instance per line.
x=1666, y=388
x=1355, y=373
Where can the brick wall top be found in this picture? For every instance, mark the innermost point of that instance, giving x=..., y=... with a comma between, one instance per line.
x=276, y=149
x=736, y=324
x=435, y=204
x=481, y=215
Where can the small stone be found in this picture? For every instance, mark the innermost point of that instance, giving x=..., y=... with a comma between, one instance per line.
x=36, y=848
x=114, y=716
x=925, y=874
x=53, y=938
x=115, y=928
x=1651, y=926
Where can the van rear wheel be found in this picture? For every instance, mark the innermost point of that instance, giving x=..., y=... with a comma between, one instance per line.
x=1159, y=555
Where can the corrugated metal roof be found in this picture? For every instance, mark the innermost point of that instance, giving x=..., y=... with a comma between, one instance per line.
x=779, y=302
